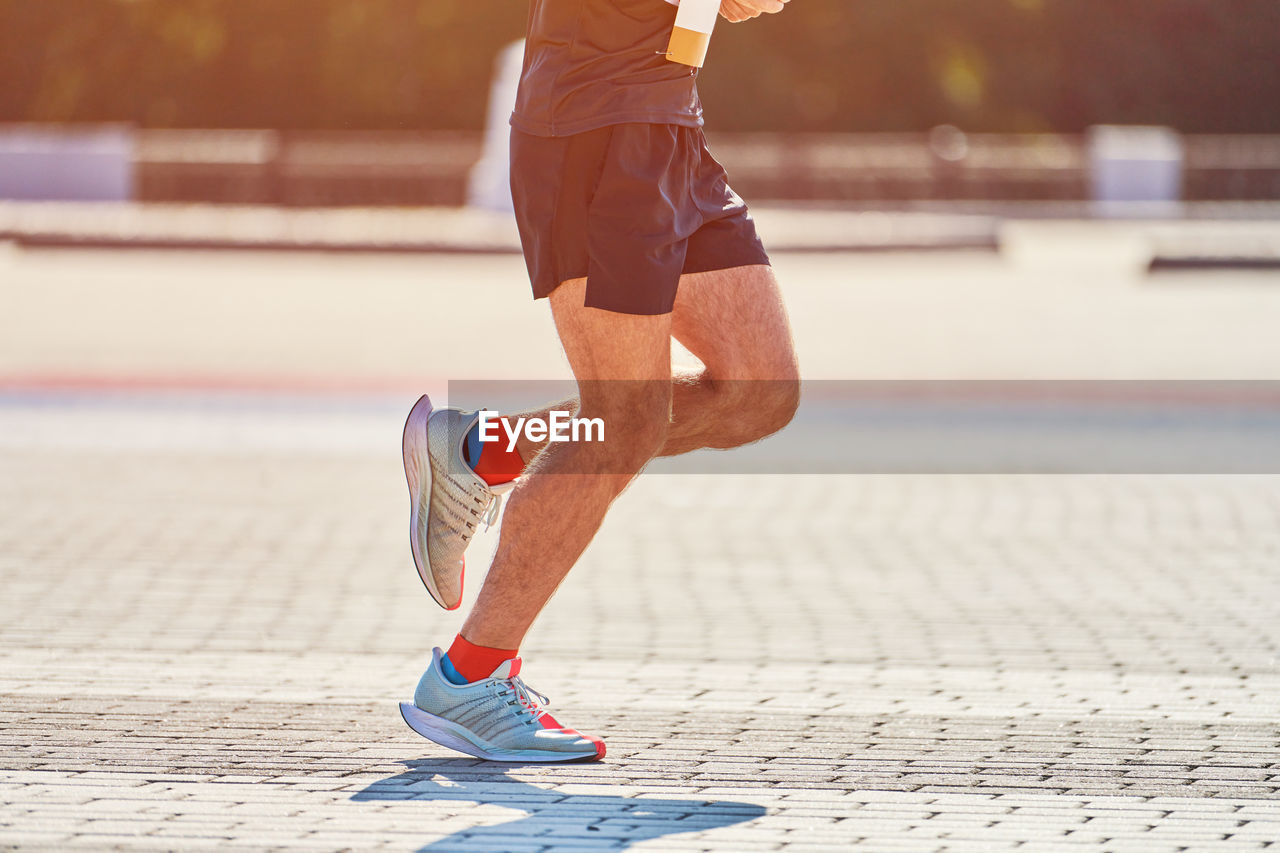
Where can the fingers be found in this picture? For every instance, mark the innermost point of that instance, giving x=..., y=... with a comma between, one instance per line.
x=733, y=12
x=744, y=10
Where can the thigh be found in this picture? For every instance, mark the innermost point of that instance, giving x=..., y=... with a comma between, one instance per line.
x=605, y=347
x=735, y=322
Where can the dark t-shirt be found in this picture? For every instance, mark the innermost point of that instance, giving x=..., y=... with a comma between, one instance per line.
x=592, y=63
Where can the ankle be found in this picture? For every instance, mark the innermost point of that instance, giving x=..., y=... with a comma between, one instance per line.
x=498, y=462
x=466, y=662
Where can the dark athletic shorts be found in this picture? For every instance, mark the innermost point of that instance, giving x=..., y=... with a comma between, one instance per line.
x=631, y=207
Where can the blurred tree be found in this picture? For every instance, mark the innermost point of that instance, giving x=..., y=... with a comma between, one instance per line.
x=1200, y=65
x=1000, y=65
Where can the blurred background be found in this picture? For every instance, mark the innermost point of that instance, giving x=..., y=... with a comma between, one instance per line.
x=238, y=238
x=996, y=189
x=339, y=102
x=1203, y=66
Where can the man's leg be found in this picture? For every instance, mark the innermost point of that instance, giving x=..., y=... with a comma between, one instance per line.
x=734, y=321
x=623, y=366
x=472, y=699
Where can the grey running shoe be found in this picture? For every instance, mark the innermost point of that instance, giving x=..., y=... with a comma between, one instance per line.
x=447, y=499
x=498, y=718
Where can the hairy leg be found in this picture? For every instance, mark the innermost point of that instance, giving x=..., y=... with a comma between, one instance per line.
x=623, y=367
x=734, y=321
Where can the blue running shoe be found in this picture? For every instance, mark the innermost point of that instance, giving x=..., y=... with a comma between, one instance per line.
x=499, y=718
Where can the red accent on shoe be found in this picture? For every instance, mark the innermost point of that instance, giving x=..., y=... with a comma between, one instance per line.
x=476, y=662
x=549, y=722
x=462, y=580
x=496, y=464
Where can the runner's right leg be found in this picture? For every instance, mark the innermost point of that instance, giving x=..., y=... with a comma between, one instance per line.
x=622, y=364
x=733, y=320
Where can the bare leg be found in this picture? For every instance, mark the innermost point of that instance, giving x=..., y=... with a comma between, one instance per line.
x=734, y=322
x=558, y=506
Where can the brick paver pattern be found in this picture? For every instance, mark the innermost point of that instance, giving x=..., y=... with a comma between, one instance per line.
x=202, y=644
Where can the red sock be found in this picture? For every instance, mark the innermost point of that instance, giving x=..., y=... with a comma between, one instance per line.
x=476, y=662
x=496, y=464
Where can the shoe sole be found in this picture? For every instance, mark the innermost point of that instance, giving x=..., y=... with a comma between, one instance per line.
x=417, y=473
x=455, y=737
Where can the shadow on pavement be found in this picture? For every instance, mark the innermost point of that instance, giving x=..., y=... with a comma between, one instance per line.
x=610, y=822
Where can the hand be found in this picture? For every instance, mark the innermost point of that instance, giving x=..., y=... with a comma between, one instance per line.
x=736, y=11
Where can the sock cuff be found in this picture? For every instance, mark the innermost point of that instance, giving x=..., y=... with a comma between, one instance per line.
x=475, y=662
x=492, y=462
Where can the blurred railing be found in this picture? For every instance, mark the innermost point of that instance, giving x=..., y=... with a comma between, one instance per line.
x=405, y=168
x=899, y=167
x=311, y=169
x=1232, y=167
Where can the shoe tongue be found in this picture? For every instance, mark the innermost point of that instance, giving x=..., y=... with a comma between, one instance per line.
x=507, y=669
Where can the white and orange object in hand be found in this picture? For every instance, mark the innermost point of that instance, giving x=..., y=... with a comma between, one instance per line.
x=691, y=36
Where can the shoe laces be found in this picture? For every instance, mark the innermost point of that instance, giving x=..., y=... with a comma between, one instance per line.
x=528, y=698
x=491, y=514
x=487, y=507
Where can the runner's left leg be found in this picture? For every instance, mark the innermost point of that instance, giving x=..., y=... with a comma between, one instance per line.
x=734, y=321
x=623, y=366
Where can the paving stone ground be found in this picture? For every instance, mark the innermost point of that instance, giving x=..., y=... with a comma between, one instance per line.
x=203, y=644
x=208, y=611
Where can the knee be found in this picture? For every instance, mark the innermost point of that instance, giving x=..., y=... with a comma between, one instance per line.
x=780, y=398
x=639, y=436
x=772, y=406
x=757, y=409
x=636, y=422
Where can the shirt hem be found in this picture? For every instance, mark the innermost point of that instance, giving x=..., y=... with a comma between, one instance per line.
x=597, y=122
